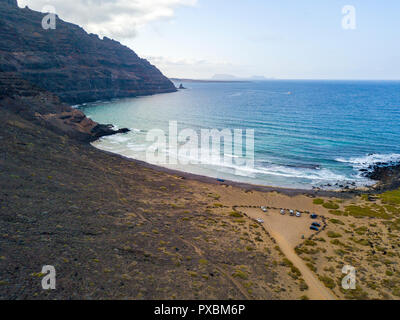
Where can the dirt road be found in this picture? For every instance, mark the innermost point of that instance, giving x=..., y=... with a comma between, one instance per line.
x=316, y=289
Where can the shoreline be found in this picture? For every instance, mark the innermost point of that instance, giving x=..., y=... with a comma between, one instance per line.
x=103, y=204
x=292, y=192
x=383, y=181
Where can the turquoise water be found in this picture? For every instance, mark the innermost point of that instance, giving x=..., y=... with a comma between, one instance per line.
x=307, y=133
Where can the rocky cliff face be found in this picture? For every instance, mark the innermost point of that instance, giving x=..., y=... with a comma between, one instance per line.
x=70, y=63
x=42, y=71
x=34, y=104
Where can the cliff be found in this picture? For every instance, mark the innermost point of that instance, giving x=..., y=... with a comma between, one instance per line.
x=44, y=108
x=70, y=63
x=43, y=71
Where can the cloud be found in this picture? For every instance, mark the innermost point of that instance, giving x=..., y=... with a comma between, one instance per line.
x=112, y=18
x=191, y=68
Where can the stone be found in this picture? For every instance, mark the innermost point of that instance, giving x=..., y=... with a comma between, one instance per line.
x=70, y=63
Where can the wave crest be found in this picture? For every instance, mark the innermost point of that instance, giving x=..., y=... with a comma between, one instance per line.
x=370, y=160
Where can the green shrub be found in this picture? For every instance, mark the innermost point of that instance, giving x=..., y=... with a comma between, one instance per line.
x=303, y=285
x=331, y=205
x=357, y=294
x=360, y=212
x=311, y=266
x=361, y=230
x=318, y=201
x=340, y=252
x=336, y=221
x=332, y=234
x=363, y=242
x=391, y=197
x=310, y=243
x=337, y=242
x=336, y=212
x=240, y=274
x=327, y=281
x=236, y=214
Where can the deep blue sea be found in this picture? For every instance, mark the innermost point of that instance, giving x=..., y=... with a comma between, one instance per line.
x=307, y=133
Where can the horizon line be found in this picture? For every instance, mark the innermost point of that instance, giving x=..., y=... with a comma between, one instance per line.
x=249, y=79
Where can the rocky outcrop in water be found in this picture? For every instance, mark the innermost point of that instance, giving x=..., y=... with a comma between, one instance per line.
x=181, y=87
x=386, y=173
x=42, y=71
x=70, y=63
x=32, y=103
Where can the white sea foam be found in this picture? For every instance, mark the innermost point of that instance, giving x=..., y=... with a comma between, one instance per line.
x=290, y=172
x=117, y=139
x=314, y=174
x=274, y=170
x=137, y=147
x=366, y=161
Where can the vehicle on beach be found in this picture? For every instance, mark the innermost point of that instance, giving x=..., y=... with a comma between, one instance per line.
x=259, y=220
x=298, y=214
x=314, y=228
x=283, y=212
x=314, y=216
x=316, y=224
x=264, y=209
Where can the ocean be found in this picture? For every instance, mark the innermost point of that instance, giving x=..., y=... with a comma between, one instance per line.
x=306, y=133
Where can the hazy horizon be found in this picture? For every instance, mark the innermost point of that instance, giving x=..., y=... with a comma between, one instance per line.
x=197, y=39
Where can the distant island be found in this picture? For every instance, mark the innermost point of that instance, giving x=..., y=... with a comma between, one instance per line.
x=229, y=77
x=224, y=78
x=116, y=228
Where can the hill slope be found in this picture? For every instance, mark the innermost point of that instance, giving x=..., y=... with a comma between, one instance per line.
x=70, y=63
x=115, y=230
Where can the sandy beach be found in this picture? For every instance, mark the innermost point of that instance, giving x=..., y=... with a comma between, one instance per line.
x=121, y=229
x=357, y=230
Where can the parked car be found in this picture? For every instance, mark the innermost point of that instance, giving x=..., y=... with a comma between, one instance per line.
x=314, y=216
x=264, y=209
x=316, y=224
x=283, y=212
x=259, y=220
x=314, y=228
x=291, y=212
x=298, y=214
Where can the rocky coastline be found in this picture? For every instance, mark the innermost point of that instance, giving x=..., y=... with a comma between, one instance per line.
x=43, y=72
x=70, y=63
x=387, y=175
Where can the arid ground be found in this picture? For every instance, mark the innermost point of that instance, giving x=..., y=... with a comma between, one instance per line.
x=114, y=229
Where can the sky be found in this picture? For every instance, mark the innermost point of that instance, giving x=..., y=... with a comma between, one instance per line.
x=285, y=39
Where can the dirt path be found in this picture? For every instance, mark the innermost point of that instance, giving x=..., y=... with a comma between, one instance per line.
x=221, y=270
x=316, y=289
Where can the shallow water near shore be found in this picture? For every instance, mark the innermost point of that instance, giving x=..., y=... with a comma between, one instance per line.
x=307, y=133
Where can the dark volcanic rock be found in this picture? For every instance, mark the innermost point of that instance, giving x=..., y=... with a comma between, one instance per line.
x=380, y=171
x=386, y=173
x=102, y=130
x=32, y=103
x=42, y=70
x=70, y=63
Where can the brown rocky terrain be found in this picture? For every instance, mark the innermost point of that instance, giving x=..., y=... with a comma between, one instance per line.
x=70, y=63
x=34, y=104
x=116, y=230
x=112, y=228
